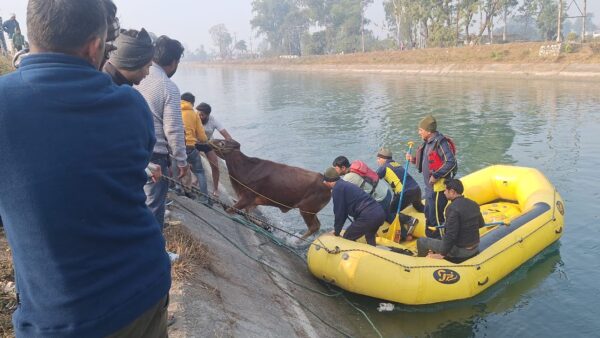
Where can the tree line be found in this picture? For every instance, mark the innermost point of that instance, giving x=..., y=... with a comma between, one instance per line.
x=317, y=27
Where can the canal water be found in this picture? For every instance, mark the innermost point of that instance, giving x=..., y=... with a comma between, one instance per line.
x=306, y=119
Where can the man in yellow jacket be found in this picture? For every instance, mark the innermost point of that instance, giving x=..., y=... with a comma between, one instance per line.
x=195, y=141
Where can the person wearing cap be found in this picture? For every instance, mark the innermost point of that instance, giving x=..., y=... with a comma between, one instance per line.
x=130, y=63
x=381, y=192
x=435, y=159
x=195, y=141
x=463, y=220
x=393, y=173
x=210, y=125
x=350, y=200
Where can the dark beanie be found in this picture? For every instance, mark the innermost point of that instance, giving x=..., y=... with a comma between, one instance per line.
x=428, y=123
x=204, y=107
x=134, y=50
x=331, y=175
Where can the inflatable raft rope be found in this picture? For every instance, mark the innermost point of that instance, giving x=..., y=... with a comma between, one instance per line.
x=524, y=212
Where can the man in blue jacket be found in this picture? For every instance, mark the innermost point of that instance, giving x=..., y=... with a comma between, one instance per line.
x=89, y=256
x=350, y=200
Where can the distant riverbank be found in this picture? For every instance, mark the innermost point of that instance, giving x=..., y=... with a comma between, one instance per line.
x=521, y=60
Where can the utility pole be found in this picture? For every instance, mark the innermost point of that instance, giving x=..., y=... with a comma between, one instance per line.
x=505, y=24
x=584, y=19
x=560, y=8
x=362, y=24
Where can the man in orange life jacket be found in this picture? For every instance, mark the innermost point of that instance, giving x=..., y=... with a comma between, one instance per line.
x=435, y=159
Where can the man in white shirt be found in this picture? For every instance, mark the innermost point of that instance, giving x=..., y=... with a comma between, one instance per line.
x=210, y=125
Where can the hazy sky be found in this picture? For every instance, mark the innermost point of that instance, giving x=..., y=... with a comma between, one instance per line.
x=189, y=20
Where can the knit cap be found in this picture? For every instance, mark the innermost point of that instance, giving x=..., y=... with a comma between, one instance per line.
x=428, y=123
x=331, y=175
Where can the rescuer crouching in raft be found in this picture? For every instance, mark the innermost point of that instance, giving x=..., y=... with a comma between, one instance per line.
x=393, y=173
x=350, y=200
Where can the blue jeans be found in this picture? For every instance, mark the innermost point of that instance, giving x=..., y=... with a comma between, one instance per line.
x=195, y=162
x=156, y=193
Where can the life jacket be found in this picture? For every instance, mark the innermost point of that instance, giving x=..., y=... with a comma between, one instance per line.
x=391, y=177
x=368, y=175
x=436, y=161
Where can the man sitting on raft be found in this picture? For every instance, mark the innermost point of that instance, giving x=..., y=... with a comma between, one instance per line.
x=350, y=200
x=463, y=220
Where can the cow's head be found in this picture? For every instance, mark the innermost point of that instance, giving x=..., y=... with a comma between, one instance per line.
x=224, y=147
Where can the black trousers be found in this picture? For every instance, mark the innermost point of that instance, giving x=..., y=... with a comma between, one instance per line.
x=366, y=224
x=411, y=197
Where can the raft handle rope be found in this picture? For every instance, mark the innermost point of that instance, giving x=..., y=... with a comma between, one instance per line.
x=405, y=267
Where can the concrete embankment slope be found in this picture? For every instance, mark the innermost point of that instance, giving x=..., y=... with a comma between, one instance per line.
x=238, y=297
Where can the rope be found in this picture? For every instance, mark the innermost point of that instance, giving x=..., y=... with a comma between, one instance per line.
x=408, y=268
x=237, y=211
x=267, y=265
x=261, y=230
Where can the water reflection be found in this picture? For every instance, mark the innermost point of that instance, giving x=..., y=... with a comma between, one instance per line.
x=468, y=318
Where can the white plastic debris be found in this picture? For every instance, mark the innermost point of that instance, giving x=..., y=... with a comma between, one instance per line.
x=386, y=307
x=173, y=256
x=7, y=287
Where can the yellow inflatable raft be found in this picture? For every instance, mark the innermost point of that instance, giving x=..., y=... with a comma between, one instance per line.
x=525, y=213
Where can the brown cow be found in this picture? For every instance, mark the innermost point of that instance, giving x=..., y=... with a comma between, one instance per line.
x=262, y=182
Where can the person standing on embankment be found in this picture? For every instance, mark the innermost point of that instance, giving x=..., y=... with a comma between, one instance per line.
x=164, y=99
x=89, y=256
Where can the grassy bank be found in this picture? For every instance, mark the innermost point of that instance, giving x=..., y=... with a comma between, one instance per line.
x=192, y=254
x=513, y=53
x=5, y=65
x=8, y=301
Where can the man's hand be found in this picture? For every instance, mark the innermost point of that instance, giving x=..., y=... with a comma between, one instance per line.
x=154, y=172
x=435, y=256
x=183, y=171
x=432, y=180
x=409, y=157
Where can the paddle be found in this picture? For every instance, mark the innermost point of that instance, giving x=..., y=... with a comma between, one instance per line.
x=396, y=226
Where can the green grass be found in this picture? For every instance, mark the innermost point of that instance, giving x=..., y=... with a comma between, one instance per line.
x=5, y=65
